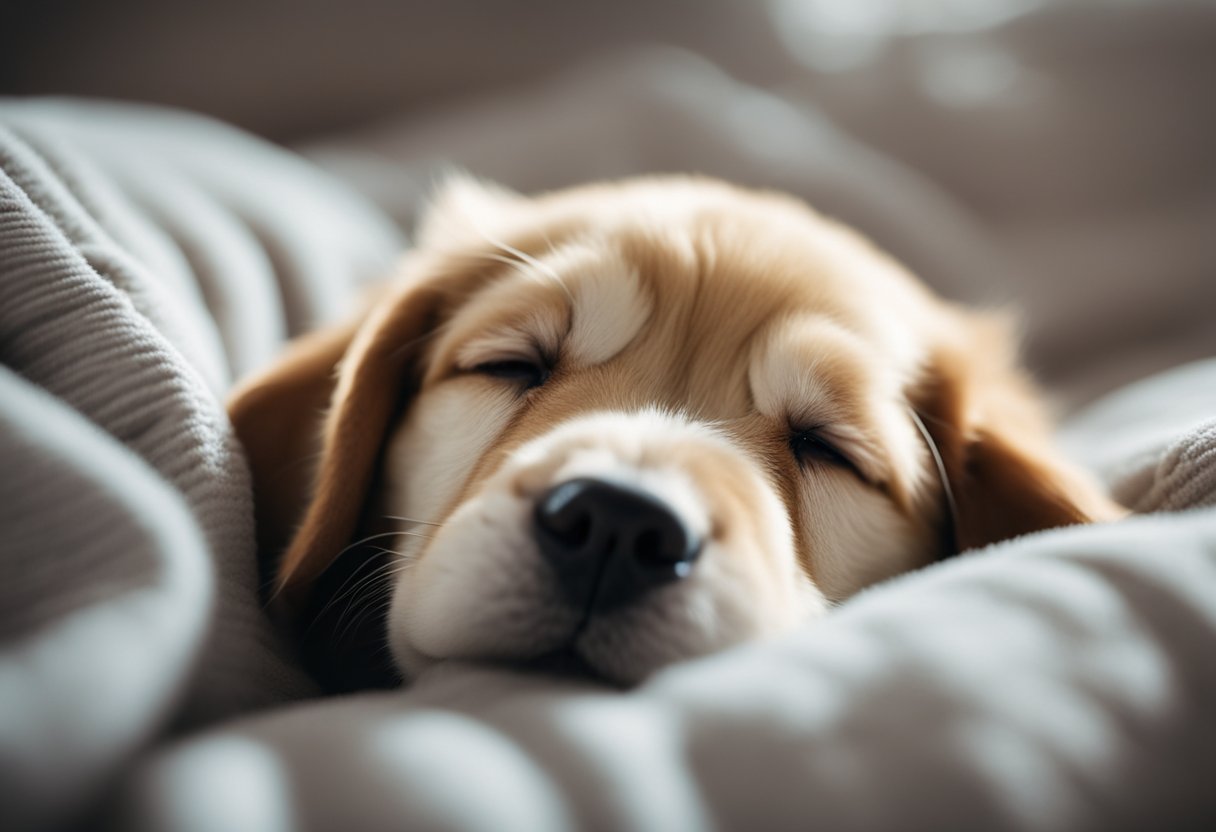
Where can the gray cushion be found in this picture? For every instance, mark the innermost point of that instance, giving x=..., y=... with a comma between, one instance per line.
x=145, y=260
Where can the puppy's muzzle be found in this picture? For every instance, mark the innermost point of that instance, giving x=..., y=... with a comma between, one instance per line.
x=609, y=543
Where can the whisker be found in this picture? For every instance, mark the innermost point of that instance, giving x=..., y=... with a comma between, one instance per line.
x=523, y=256
x=495, y=256
x=384, y=570
x=373, y=599
x=413, y=342
x=411, y=520
x=520, y=260
x=401, y=557
x=374, y=602
x=942, y=423
x=416, y=534
x=940, y=465
x=360, y=567
x=360, y=542
x=356, y=571
x=342, y=591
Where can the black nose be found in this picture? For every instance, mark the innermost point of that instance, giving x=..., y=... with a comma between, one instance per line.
x=609, y=543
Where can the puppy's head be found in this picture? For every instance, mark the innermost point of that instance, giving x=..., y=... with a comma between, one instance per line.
x=635, y=423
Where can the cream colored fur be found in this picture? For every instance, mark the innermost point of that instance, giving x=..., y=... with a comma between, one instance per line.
x=687, y=331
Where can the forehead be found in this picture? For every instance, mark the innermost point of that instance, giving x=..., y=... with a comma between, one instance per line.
x=580, y=302
x=724, y=296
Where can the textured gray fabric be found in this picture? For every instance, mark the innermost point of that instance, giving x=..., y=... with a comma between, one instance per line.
x=1060, y=682
x=145, y=260
x=1155, y=441
x=105, y=590
x=1186, y=474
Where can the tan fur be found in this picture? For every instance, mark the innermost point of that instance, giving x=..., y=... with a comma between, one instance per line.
x=729, y=317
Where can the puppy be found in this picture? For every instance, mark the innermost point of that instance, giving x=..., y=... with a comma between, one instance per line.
x=631, y=423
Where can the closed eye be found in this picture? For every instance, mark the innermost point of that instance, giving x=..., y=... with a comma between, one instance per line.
x=527, y=374
x=810, y=446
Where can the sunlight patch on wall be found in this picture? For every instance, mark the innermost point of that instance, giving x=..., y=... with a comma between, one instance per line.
x=838, y=35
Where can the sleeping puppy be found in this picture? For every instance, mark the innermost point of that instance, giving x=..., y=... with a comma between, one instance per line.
x=631, y=423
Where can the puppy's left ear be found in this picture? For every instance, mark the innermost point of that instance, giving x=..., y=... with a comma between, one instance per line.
x=986, y=418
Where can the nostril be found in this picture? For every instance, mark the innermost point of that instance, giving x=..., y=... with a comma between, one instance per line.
x=565, y=516
x=572, y=526
x=665, y=548
x=579, y=530
x=648, y=546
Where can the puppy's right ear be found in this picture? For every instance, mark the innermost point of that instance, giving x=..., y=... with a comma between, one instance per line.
x=279, y=415
x=315, y=423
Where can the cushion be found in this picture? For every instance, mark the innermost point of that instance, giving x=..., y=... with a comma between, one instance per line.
x=147, y=259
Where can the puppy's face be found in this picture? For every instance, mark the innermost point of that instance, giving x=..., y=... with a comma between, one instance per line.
x=642, y=422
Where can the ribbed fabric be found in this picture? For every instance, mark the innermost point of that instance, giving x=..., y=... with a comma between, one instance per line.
x=105, y=594
x=1154, y=442
x=71, y=328
x=1185, y=476
x=135, y=284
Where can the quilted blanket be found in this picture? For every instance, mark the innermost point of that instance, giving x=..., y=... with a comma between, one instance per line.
x=147, y=258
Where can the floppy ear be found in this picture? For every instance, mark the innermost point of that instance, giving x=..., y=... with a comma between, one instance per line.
x=277, y=414
x=986, y=419
x=313, y=425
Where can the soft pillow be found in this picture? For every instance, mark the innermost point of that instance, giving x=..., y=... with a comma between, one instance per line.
x=1058, y=681
x=146, y=259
